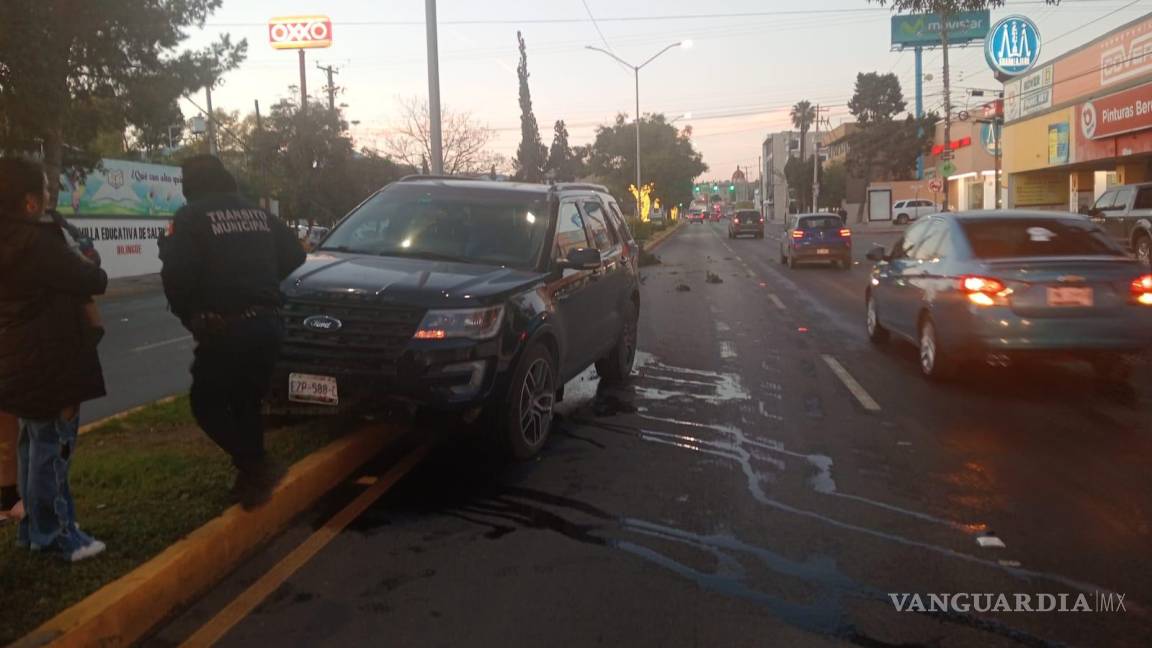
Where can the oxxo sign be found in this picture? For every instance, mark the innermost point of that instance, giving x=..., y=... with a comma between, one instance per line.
x=300, y=32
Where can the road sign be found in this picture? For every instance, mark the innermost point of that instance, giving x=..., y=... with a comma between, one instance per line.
x=300, y=32
x=923, y=30
x=947, y=155
x=1013, y=46
x=936, y=185
x=947, y=169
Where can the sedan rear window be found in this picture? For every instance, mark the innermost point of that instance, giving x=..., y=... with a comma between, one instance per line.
x=1029, y=237
x=820, y=222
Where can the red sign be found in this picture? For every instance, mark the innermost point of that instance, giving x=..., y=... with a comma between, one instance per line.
x=1122, y=55
x=994, y=108
x=936, y=185
x=953, y=145
x=1116, y=114
x=300, y=32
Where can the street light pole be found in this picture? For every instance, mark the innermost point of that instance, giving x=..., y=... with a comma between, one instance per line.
x=436, y=145
x=636, y=71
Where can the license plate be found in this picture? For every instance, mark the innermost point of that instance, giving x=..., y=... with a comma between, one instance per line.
x=823, y=251
x=308, y=388
x=1070, y=297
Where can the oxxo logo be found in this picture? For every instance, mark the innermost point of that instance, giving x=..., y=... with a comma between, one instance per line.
x=300, y=32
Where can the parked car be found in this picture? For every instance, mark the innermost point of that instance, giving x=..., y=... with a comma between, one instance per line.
x=469, y=296
x=696, y=215
x=657, y=216
x=1125, y=213
x=1000, y=285
x=816, y=237
x=746, y=221
x=907, y=211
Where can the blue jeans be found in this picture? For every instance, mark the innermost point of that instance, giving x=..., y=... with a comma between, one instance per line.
x=45, y=455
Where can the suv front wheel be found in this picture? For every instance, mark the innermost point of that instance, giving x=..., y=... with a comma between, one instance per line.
x=525, y=417
x=617, y=365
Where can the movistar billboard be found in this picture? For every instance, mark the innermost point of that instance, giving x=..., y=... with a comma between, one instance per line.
x=924, y=30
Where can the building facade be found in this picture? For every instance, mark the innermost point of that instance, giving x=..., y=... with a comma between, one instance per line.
x=776, y=150
x=1081, y=122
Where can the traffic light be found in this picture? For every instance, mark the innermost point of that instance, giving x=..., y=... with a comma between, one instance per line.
x=715, y=188
x=731, y=187
x=695, y=189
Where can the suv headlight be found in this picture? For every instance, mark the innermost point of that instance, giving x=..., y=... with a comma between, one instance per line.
x=473, y=323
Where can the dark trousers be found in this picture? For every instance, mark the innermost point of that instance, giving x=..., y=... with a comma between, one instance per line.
x=230, y=377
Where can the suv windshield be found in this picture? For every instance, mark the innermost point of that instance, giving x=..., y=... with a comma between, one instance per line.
x=1025, y=237
x=486, y=227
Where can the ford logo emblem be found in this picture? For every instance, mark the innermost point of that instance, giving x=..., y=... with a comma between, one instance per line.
x=322, y=323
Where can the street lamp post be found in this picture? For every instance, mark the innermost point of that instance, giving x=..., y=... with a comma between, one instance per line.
x=636, y=71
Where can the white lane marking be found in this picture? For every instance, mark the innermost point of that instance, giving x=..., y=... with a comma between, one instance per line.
x=861, y=395
x=727, y=351
x=776, y=300
x=147, y=347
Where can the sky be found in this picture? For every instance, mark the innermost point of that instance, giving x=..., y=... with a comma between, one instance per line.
x=750, y=61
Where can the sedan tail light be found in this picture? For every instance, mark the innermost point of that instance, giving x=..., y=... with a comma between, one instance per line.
x=1142, y=290
x=984, y=291
x=845, y=232
x=761, y=220
x=797, y=234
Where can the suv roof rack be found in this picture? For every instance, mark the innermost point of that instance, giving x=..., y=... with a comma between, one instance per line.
x=560, y=186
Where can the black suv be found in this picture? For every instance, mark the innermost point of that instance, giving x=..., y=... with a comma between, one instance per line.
x=465, y=295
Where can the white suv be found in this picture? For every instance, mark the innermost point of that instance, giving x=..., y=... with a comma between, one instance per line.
x=909, y=210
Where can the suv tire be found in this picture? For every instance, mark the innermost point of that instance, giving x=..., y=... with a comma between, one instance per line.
x=616, y=367
x=526, y=411
x=902, y=219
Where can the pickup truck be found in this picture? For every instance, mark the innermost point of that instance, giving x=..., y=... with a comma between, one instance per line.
x=1125, y=213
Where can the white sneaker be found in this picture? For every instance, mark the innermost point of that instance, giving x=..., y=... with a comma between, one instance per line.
x=94, y=548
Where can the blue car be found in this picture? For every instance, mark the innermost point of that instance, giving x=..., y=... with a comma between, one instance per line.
x=994, y=286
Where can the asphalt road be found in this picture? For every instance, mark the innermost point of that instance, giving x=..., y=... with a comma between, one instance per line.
x=145, y=354
x=768, y=478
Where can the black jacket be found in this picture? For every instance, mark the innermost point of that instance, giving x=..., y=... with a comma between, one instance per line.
x=226, y=255
x=48, y=358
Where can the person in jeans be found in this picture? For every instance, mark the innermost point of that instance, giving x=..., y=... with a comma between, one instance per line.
x=48, y=359
x=223, y=265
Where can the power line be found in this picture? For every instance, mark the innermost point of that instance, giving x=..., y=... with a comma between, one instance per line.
x=594, y=24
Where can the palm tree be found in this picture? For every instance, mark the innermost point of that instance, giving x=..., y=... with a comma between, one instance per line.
x=803, y=115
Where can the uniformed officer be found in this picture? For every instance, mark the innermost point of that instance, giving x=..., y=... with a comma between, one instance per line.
x=223, y=264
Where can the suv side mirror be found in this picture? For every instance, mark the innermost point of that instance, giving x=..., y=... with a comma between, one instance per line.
x=582, y=259
x=876, y=254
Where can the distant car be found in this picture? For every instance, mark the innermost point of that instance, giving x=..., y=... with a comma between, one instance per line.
x=816, y=237
x=657, y=216
x=746, y=221
x=910, y=210
x=717, y=212
x=1125, y=213
x=1000, y=285
x=696, y=215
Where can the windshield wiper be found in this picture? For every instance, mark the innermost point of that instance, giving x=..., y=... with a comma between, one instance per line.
x=420, y=254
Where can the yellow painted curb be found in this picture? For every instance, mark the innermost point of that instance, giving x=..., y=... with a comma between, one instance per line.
x=123, y=611
x=128, y=412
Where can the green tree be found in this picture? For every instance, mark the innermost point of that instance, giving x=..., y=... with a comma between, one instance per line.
x=670, y=161
x=561, y=162
x=532, y=154
x=803, y=116
x=885, y=146
x=72, y=70
x=877, y=98
x=833, y=185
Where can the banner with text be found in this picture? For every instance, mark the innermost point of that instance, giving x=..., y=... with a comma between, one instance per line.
x=122, y=188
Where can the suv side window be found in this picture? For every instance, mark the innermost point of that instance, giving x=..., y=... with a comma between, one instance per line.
x=912, y=238
x=570, y=233
x=1143, y=198
x=898, y=205
x=1123, y=197
x=618, y=220
x=597, y=221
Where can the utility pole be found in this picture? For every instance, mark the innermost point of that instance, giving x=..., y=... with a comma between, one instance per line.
x=816, y=163
x=303, y=84
x=212, y=121
x=434, y=134
x=947, y=99
x=260, y=155
x=331, y=87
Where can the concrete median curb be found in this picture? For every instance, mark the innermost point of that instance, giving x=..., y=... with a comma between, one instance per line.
x=123, y=611
x=88, y=427
x=660, y=237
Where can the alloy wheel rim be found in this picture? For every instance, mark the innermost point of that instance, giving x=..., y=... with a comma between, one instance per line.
x=537, y=398
x=928, y=349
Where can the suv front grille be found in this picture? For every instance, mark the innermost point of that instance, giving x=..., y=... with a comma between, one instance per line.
x=371, y=337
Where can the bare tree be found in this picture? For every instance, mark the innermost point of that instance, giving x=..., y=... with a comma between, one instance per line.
x=465, y=139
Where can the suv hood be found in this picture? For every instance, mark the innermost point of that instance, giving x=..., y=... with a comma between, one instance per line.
x=399, y=280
